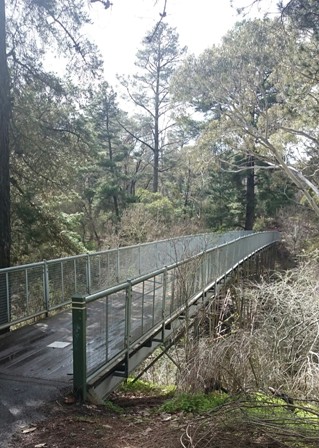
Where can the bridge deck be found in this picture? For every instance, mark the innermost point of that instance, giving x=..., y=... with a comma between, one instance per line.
x=39, y=351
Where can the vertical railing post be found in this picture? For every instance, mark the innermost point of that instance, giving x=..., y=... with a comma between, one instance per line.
x=62, y=281
x=128, y=320
x=107, y=316
x=79, y=346
x=118, y=267
x=156, y=255
x=164, y=302
x=8, y=298
x=203, y=271
x=139, y=259
x=46, y=287
x=75, y=275
x=26, y=283
x=88, y=273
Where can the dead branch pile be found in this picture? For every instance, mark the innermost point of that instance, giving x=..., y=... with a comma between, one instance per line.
x=247, y=422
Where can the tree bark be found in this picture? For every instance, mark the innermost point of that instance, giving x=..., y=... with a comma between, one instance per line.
x=5, y=234
x=110, y=148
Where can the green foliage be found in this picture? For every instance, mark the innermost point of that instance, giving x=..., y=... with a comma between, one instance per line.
x=274, y=192
x=113, y=407
x=149, y=90
x=160, y=207
x=257, y=420
x=194, y=403
x=145, y=388
x=225, y=204
x=303, y=14
x=269, y=112
x=43, y=232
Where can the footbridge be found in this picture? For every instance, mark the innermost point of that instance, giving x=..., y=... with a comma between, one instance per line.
x=125, y=302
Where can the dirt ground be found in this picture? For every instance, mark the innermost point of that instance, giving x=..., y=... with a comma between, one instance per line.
x=139, y=425
x=89, y=426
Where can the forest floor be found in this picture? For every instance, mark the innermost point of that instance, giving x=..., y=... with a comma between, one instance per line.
x=85, y=425
x=140, y=424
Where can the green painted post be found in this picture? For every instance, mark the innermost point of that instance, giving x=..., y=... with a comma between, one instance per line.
x=46, y=288
x=79, y=346
x=88, y=274
x=164, y=302
x=128, y=317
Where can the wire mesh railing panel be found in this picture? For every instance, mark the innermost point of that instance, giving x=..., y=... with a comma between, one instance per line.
x=80, y=275
x=4, y=298
x=103, y=271
x=158, y=298
x=169, y=293
x=63, y=282
x=128, y=263
x=65, y=278
x=97, y=334
x=94, y=264
x=109, y=268
x=35, y=290
x=147, y=258
x=105, y=330
x=164, y=255
x=198, y=277
x=116, y=322
x=74, y=281
x=148, y=304
x=137, y=313
x=56, y=281
x=18, y=293
x=179, y=286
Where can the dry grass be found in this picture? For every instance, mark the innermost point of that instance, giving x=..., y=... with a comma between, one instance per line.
x=274, y=339
x=271, y=345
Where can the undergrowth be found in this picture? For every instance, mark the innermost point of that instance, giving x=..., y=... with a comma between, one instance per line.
x=252, y=420
x=146, y=388
x=194, y=403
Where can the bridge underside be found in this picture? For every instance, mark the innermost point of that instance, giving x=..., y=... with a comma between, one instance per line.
x=96, y=386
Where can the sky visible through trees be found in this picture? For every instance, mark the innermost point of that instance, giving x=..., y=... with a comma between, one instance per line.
x=178, y=143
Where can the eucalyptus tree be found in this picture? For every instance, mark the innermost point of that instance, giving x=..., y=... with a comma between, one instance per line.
x=258, y=95
x=231, y=83
x=149, y=91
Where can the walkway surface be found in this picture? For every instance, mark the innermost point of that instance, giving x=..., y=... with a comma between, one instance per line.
x=35, y=368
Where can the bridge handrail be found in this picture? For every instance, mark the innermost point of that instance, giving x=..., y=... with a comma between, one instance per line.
x=134, y=281
x=33, y=289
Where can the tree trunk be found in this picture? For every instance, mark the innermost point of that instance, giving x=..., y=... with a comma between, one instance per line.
x=250, y=194
x=5, y=235
x=109, y=141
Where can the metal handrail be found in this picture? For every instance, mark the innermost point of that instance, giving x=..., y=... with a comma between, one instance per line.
x=34, y=289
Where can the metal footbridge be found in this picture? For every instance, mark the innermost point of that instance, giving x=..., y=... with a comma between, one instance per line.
x=128, y=301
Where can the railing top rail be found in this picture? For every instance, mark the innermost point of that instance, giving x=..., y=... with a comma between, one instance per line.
x=75, y=257
x=114, y=289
